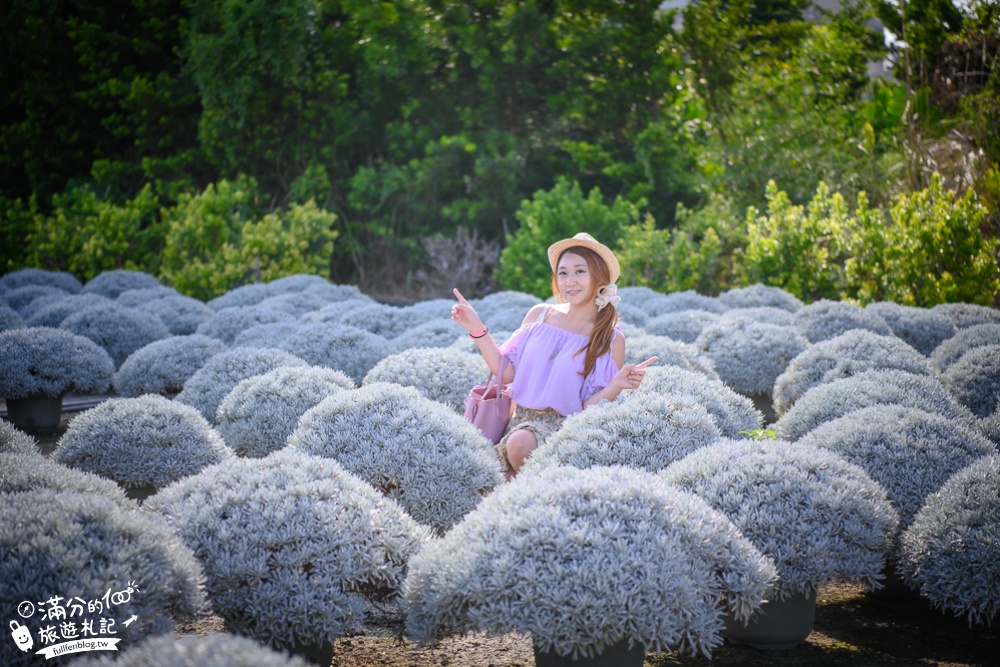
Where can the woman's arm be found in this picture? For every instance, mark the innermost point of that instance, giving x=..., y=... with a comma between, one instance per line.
x=466, y=316
x=629, y=377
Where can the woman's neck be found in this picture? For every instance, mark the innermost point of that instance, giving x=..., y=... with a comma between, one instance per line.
x=582, y=315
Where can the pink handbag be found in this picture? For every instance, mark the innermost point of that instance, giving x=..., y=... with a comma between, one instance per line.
x=489, y=407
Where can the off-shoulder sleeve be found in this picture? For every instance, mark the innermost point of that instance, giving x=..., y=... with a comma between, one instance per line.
x=604, y=371
x=511, y=348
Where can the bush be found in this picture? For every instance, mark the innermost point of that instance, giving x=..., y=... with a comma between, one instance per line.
x=436, y=333
x=681, y=325
x=72, y=544
x=22, y=298
x=442, y=375
x=343, y=348
x=163, y=366
x=557, y=214
x=763, y=314
x=335, y=311
x=966, y=315
x=677, y=302
x=134, y=298
x=732, y=412
x=670, y=353
x=504, y=311
x=221, y=373
x=649, y=432
x=218, y=649
x=111, y=284
x=182, y=315
x=120, y=331
x=824, y=320
x=848, y=354
x=53, y=313
x=25, y=469
x=877, y=387
x=13, y=440
x=259, y=414
x=435, y=464
x=53, y=362
x=381, y=319
x=227, y=323
x=747, y=354
x=265, y=335
x=950, y=549
x=144, y=441
x=292, y=544
x=9, y=319
x=910, y=452
x=242, y=296
x=950, y=351
x=295, y=304
x=920, y=328
x=975, y=380
x=821, y=519
x=760, y=295
x=67, y=282
x=646, y=563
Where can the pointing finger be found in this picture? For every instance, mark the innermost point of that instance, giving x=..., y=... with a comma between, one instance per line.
x=461, y=299
x=646, y=363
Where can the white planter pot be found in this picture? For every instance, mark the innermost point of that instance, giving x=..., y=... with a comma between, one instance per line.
x=616, y=655
x=779, y=625
x=35, y=414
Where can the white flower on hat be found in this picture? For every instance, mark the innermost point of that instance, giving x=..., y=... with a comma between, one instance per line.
x=607, y=294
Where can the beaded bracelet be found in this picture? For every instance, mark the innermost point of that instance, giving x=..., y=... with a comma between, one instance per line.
x=480, y=334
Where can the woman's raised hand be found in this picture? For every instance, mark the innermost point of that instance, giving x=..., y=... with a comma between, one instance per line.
x=465, y=315
x=630, y=376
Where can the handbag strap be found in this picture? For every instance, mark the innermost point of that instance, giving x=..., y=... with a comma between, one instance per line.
x=497, y=378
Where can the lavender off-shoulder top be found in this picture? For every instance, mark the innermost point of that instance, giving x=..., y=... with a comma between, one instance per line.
x=549, y=373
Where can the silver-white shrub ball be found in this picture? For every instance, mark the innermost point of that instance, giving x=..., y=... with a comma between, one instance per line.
x=9, y=319
x=649, y=432
x=221, y=373
x=416, y=451
x=966, y=315
x=821, y=519
x=921, y=328
x=749, y=355
x=32, y=276
x=504, y=311
x=241, y=297
x=52, y=362
x=163, y=366
x=53, y=313
x=149, y=440
x=951, y=350
x=835, y=399
x=681, y=325
x=910, y=452
x=137, y=297
x=732, y=412
x=227, y=323
x=112, y=283
x=825, y=319
x=82, y=545
x=343, y=348
x=293, y=545
x=259, y=414
x=759, y=295
x=950, y=550
x=120, y=331
x=686, y=300
x=440, y=374
x=335, y=311
x=670, y=353
x=296, y=304
x=377, y=318
x=850, y=353
x=14, y=440
x=583, y=559
x=21, y=299
x=27, y=470
x=765, y=314
x=974, y=380
x=265, y=335
x=435, y=333
x=216, y=649
x=182, y=315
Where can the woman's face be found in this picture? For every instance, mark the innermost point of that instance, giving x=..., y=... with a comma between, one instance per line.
x=574, y=279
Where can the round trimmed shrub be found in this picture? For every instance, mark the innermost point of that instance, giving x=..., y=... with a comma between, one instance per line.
x=259, y=414
x=433, y=462
x=265, y=335
x=67, y=282
x=435, y=333
x=879, y=387
x=316, y=285
x=381, y=319
x=759, y=295
x=675, y=302
x=631, y=313
x=163, y=366
x=434, y=309
x=293, y=545
x=649, y=432
x=112, y=283
x=182, y=315
x=966, y=315
x=296, y=304
x=9, y=318
x=13, y=440
x=951, y=350
x=921, y=328
x=217, y=649
x=52, y=362
x=241, y=297
x=24, y=470
x=227, y=323
x=335, y=311
x=975, y=380
x=20, y=299
x=52, y=314
x=749, y=355
x=950, y=549
x=910, y=452
x=583, y=559
x=342, y=347
x=144, y=441
x=821, y=519
x=442, y=375
x=850, y=353
x=732, y=412
x=73, y=544
x=221, y=373
x=120, y=331
x=763, y=314
x=824, y=319
x=504, y=311
x=682, y=325
x=138, y=297
x=670, y=352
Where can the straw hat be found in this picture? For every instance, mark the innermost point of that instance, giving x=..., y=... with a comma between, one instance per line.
x=587, y=241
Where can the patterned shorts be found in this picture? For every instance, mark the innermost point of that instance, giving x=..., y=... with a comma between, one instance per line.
x=542, y=423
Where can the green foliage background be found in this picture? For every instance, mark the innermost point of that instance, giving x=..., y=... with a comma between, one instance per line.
x=212, y=142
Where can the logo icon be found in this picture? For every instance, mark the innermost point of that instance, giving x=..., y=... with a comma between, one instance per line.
x=21, y=635
x=26, y=609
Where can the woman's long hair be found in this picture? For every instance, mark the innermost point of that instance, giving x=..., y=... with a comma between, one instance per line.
x=603, y=333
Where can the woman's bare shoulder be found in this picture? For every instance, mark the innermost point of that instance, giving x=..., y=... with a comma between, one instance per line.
x=534, y=313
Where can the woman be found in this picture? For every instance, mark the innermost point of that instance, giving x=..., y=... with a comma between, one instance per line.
x=565, y=357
